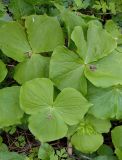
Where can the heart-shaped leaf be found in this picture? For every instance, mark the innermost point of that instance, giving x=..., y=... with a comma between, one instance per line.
x=86, y=139
x=36, y=99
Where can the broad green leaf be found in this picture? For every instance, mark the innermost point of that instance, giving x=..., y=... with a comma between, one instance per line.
x=116, y=135
x=68, y=103
x=48, y=125
x=36, y=95
x=13, y=41
x=105, y=158
x=10, y=112
x=71, y=67
x=3, y=147
x=107, y=103
x=107, y=71
x=11, y=156
x=45, y=151
x=66, y=70
x=96, y=45
x=36, y=99
x=86, y=139
x=105, y=150
x=100, y=125
x=87, y=132
x=20, y=8
x=118, y=153
x=36, y=66
x=3, y=71
x=44, y=33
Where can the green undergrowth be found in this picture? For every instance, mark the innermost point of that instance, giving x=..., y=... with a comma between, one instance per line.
x=60, y=80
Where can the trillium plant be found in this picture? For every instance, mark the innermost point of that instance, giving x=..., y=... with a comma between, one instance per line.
x=67, y=78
